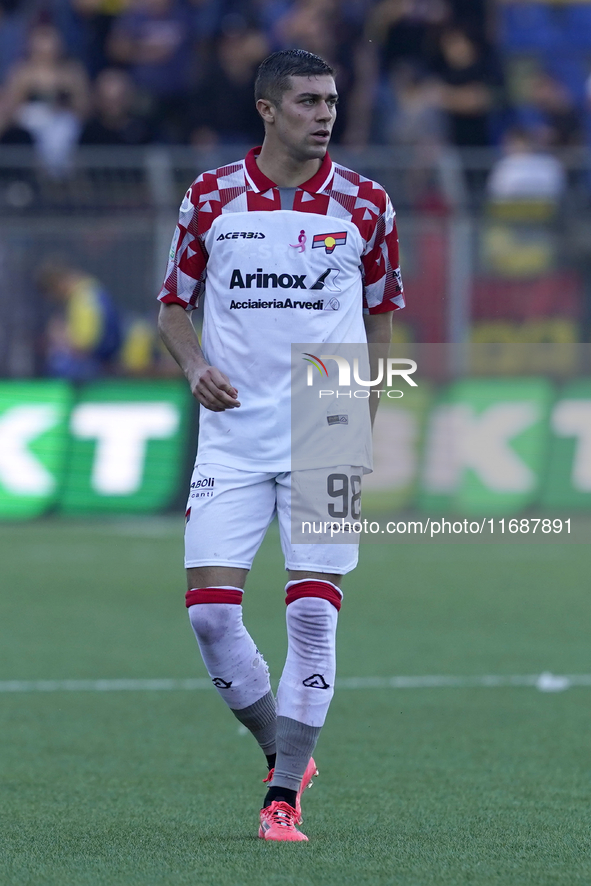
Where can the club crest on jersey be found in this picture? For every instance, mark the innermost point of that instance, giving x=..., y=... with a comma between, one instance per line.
x=329, y=241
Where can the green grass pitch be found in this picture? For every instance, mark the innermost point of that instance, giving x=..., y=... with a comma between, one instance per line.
x=417, y=786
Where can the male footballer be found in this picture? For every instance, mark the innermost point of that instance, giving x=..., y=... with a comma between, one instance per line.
x=251, y=238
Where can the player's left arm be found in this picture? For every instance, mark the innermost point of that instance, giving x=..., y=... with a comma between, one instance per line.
x=378, y=328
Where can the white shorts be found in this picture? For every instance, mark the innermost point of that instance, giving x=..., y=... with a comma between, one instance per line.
x=229, y=511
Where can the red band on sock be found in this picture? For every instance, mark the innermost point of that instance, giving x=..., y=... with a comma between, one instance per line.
x=314, y=588
x=212, y=595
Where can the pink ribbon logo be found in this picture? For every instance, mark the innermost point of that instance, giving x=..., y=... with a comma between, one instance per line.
x=301, y=244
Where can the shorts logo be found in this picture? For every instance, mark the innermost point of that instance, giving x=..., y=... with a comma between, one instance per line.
x=221, y=684
x=316, y=681
x=207, y=481
x=204, y=486
x=329, y=241
x=337, y=419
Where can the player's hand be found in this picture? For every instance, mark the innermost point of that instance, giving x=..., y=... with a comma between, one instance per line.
x=213, y=389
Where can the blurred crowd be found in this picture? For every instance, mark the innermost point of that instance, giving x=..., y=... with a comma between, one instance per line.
x=419, y=75
x=83, y=333
x=409, y=72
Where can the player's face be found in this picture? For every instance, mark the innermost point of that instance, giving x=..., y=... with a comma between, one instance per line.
x=304, y=119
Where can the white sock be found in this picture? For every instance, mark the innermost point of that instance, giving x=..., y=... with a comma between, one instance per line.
x=236, y=667
x=307, y=682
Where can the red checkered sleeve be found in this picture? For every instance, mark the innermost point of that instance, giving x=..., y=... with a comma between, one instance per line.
x=382, y=289
x=187, y=260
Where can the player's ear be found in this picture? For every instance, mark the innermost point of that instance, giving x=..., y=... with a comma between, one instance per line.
x=266, y=109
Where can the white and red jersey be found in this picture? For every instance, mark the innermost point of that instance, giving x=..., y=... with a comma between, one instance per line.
x=277, y=266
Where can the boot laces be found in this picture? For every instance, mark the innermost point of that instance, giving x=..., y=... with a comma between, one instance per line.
x=283, y=815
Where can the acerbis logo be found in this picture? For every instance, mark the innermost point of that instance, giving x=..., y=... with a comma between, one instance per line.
x=220, y=683
x=316, y=681
x=242, y=235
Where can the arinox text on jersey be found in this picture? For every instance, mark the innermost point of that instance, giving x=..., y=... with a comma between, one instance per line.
x=262, y=280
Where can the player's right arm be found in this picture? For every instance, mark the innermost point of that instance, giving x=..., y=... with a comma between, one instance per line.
x=210, y=386
x=183, y=284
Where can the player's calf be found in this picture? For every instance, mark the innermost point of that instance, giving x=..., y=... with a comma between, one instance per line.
x=236, y=667
x=305, y=691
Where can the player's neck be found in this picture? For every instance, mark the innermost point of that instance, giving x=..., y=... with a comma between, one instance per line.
x=283, y=169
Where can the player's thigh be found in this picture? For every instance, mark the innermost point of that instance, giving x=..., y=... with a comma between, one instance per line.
x=306, y=574
x=228, y=512
x=216, y=577
x=311, y=507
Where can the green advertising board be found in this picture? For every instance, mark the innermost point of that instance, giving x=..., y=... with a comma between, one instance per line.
x=398, y=433
x=33, y=445
x=486, y=446
x=483, y=447
x=568, y=483
x=128, y=446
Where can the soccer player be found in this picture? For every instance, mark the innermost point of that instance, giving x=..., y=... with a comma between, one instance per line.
x=251, y=238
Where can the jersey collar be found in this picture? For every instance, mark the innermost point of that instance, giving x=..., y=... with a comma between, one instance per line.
x=259, y=182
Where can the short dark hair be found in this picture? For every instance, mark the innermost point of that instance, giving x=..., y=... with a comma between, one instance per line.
x=274, y=72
